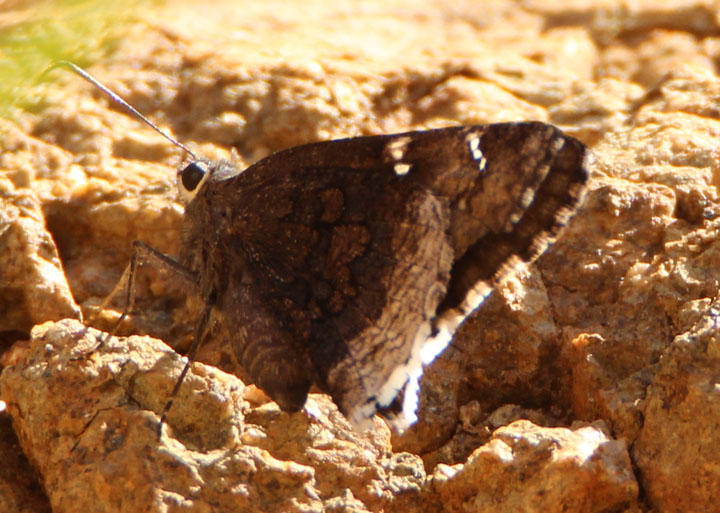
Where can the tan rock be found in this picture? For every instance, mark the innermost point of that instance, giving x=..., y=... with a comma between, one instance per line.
x=476, y=428
x=676, y=450
x=20, y=488
x=33, y=287
x=528, y=468
x=85, y=413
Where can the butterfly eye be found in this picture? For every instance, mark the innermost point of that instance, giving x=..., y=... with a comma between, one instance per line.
x=191, y=178
x=192, y=175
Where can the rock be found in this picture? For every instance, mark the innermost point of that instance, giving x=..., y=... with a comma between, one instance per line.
x=20, y=488
x=86, y=412
x=33, y=287
x=528, y=468
x=680, y=413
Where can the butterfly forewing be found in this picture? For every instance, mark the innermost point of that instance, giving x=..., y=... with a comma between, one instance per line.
x=331, y=262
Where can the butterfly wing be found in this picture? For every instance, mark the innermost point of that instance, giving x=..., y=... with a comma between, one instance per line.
x=355, y=260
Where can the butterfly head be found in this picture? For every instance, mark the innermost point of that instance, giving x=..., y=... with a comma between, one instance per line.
x=191, y=178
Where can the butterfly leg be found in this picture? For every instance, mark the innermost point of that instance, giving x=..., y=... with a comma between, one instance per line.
x=142, y=253
x=199, y=331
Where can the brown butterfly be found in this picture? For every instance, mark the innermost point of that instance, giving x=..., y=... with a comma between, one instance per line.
x=351, y=263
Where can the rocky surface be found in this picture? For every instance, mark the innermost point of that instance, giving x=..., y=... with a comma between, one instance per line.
x=587, y=382
x=529, y=468
x=93, y=436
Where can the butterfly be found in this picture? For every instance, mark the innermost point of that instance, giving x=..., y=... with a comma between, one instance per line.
x=350, y=264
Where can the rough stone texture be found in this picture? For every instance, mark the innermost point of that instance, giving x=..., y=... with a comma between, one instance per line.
x=20, y=490
x=615, y=322
x=680, y=432
x=33, y=286
x=90, y=429
x=527, y=468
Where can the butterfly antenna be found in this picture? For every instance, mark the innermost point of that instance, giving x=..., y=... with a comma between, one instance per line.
x=117, y=99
